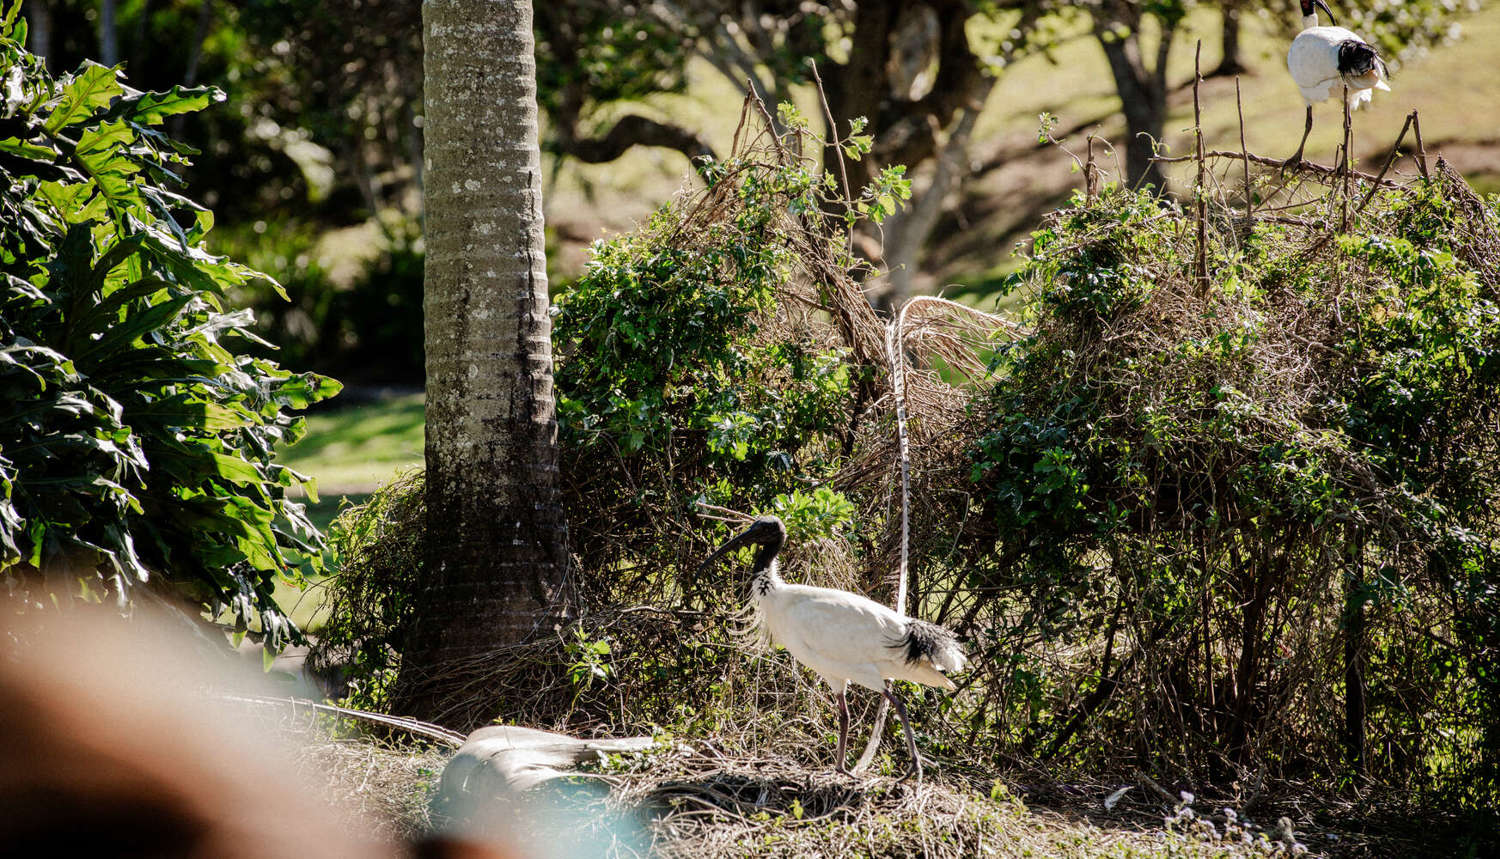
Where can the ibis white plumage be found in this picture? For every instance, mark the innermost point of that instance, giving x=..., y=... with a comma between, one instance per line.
x=843, y=637
x=1325, y=60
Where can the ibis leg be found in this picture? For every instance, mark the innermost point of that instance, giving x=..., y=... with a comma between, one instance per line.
x=843, y=733
x=1306, y=130
x=911, y=739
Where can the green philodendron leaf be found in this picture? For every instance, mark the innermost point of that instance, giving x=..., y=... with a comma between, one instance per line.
x=185, y=410
x=27, y=149
x=236, y=470
x=134, y=429
x=119, y=337
x=94, y=87
x=101, y=152
x=72, y=201
x=151, y=108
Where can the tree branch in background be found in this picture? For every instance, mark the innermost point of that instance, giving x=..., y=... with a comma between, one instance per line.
x=633, y=130
x=1142, y=90
x=39, y=27
x=109, y=43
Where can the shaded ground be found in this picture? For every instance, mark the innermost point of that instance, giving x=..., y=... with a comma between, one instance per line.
x=690, y=798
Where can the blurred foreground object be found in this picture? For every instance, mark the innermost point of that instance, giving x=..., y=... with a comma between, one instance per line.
x=118, y=742
x=501, y=760
x=518, y=785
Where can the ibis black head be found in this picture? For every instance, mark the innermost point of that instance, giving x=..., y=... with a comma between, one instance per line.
x=1307, y=9
x=766, y=531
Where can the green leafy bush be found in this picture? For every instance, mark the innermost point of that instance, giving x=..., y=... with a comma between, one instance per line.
x=705, y=357
x=687, y=373
x=377, y=550
x=1255, y=501
x=136, y=440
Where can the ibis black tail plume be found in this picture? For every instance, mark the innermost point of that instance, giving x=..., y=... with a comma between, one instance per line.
x=1357, y=58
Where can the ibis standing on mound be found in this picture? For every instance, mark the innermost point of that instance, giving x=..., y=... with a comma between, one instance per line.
x=1325, y=60
x=845, y=638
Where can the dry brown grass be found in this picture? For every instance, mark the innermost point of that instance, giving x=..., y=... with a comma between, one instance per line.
x=701, y=800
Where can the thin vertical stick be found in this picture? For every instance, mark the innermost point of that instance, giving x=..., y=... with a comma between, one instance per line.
x=895, y=353
x=1344, y=165
x=1389, y=160
x=833, y=130
x=1416, y=124
x=1090, y=173
x=1198, y=189
x=1244, y=152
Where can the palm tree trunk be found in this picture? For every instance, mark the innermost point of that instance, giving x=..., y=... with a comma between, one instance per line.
x=496, y=535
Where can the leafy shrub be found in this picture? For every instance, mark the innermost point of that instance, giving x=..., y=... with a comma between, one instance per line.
x=136, y=440
x=377, y=550
x=1256, y=501
x=687, y=371
x=705, y=357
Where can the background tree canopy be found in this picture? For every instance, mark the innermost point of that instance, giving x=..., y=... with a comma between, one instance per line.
x=313, y=165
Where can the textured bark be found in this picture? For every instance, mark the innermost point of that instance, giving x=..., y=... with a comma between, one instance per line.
x=1143, y=90
x=1229, y=43
x=496, y=536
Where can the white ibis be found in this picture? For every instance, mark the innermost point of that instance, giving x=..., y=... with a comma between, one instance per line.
x=1325, y=60
x=845, y=638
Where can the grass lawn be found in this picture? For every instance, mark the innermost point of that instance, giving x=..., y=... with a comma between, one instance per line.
x=350, y=451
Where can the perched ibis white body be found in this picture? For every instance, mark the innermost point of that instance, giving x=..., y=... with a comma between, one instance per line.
x=1314, y=63
x=1325, y=62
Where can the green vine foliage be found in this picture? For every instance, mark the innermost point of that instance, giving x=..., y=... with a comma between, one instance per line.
x=1262, y=491
x=681, y=377
x=136, y=441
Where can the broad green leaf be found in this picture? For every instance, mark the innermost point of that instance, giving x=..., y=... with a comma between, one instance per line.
x=92, y=88
x=150, y=108
x=72, y=201
x=236, y=470
x=27, y=149
x=138, y=325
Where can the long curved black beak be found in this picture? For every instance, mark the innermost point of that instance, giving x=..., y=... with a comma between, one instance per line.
x=1326, y=11
x=733, y=543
